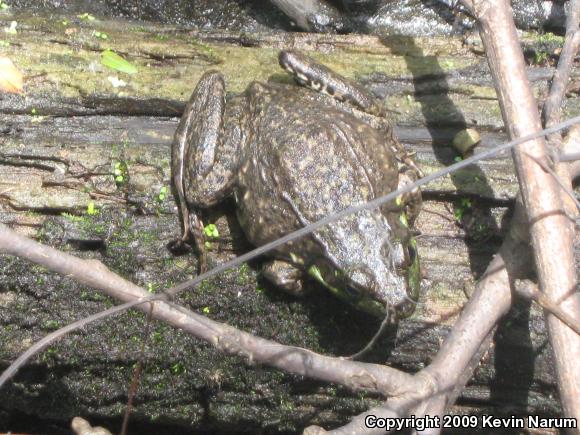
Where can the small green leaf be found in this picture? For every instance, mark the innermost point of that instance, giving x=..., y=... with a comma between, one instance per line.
x=205, y=310
x=403, y=220
x=211, y=231
x=100, y=35
x=86, y=17
x=112, y=60
x=91, y=209
x=314, y=272
x=120, y=172
x=162, y=193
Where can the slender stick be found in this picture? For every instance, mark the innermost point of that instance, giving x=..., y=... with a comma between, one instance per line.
x=355, y=375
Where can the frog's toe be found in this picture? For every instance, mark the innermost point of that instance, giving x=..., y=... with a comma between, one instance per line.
x=409, y=201
x=178, y=247
x=285, y=276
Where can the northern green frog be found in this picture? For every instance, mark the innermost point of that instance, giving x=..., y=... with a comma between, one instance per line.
x=289, y=157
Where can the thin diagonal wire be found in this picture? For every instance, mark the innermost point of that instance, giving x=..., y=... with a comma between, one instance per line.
x=41, y=344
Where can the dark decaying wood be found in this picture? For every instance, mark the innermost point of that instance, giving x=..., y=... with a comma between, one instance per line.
x=88, y=142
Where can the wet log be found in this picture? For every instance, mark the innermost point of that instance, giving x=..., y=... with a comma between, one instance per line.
x=85, y=168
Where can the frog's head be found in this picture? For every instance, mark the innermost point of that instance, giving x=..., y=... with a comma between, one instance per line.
x=370, y=264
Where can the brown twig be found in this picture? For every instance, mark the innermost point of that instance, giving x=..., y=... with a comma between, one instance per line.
x=471, y=335
x=529, y=290
x=354, y=375
x=137, y=372
x=552, y=106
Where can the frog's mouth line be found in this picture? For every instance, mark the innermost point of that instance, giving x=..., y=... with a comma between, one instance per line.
x=348, y=294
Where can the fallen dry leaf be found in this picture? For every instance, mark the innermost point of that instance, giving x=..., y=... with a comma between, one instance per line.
x=10, y=78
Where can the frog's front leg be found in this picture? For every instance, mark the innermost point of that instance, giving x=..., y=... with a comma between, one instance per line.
x=409, y=201
x=284, y=275
x=202, y=170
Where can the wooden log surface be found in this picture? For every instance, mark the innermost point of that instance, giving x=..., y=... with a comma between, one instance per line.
x=72, y=140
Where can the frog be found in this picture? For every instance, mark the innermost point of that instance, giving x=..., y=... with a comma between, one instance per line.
x=290, y=155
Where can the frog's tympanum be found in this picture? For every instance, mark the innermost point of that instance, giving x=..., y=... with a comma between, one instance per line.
x=290, y=156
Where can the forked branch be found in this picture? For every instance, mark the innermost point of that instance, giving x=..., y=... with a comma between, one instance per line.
x=551, y=226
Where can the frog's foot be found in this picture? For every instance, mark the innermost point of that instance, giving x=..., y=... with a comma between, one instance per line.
x=286, y=276
x=410, y=202
x=322, y=79
x=409, y=172
x=193, y=226
x=196, y=229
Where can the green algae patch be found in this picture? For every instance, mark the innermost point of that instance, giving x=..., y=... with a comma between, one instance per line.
x=169, y=63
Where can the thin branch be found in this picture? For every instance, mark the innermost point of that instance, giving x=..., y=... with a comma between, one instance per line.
x=552, y=106
x=562, y=300
x=354, y=375
x=529, y=290
x=137, y=372
x=566, y=188
x=471, y=335
x=391, y=411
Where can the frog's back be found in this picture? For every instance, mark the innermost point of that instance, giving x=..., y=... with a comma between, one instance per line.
x=307, y=160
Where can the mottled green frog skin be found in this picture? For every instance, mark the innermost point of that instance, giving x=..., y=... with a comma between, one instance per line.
x=290, y=156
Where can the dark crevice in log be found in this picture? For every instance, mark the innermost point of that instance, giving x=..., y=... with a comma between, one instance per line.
x=452, y=196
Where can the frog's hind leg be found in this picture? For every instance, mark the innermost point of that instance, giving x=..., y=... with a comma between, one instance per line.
x=322, y=79
x=196, y=179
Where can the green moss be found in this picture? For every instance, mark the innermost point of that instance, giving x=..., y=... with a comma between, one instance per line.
x=461, y=207
x=121, y=173
x=244, y=275
x=52, y=325
x=548, y=37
